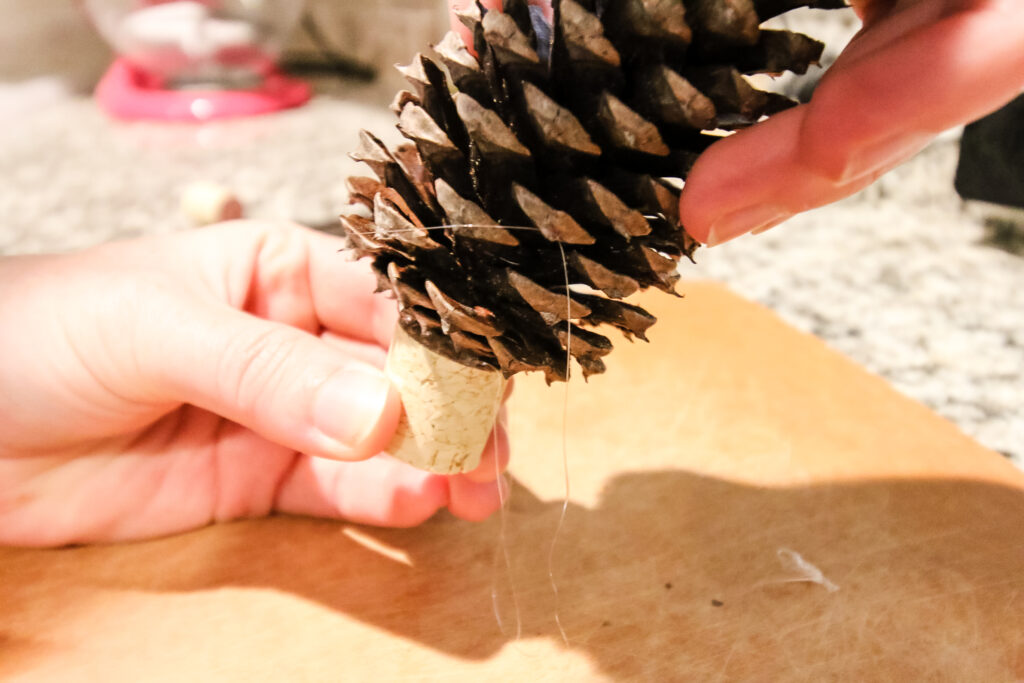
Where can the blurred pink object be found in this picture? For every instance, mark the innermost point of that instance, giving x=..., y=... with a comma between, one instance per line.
x=192, y=60
x=127, y=92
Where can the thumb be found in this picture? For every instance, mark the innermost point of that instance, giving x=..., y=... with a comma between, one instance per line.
x=457, y=6
x=287, y=385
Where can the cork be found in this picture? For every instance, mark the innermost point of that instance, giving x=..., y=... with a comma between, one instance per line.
x=449, y=408
x=208, y=202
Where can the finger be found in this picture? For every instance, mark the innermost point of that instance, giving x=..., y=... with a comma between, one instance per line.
x=380, y=491
x=495, y=457
x=942, y=69
x=475, y=501
x=753, y=180
x=760, y=176
x=456, y=6
x=870, y=10
x=344, y=293
x=283, y=272
x=367, y=352
x=285, y=384
x=886, y=21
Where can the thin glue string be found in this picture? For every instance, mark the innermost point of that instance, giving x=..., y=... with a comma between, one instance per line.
x=501, y=551
x=448, y=226
x=565, y=445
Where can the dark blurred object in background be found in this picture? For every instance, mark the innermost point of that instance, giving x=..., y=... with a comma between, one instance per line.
x=356, y=39
x=991, y=167
x=991, y=170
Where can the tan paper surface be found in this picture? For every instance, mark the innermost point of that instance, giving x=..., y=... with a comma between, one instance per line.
x=693, y=462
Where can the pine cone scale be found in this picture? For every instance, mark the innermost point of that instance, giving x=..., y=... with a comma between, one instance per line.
x=553, y=155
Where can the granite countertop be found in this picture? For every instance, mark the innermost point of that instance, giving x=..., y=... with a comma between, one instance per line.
x=897, y=278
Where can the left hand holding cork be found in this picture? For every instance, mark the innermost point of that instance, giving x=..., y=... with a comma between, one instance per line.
x=163, y=384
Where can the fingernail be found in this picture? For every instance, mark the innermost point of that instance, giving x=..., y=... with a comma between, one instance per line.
x=752, y=218
x=885, y=154
x=349, y=405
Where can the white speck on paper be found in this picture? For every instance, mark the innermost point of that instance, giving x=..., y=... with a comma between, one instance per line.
x=803, y=571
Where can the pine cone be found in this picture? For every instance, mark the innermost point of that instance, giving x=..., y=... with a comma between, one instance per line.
x=555, y=158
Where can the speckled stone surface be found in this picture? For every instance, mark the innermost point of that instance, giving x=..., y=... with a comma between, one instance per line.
x=897, y=278
x=73, y=177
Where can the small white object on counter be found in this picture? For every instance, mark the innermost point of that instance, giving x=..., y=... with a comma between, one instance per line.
x=207, y=202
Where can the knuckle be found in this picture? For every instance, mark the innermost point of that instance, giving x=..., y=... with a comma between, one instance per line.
x=254, y=364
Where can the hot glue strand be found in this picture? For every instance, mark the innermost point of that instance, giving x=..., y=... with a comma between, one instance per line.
x=565, y=447
x=501, y=550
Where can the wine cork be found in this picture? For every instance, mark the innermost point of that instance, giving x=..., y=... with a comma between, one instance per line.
x=449, y=408
x=207, y=202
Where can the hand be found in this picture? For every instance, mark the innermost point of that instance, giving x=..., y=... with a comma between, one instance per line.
x=916, y=68
x=153, y=386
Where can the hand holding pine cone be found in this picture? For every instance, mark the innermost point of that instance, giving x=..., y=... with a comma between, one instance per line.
x=541, y=182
